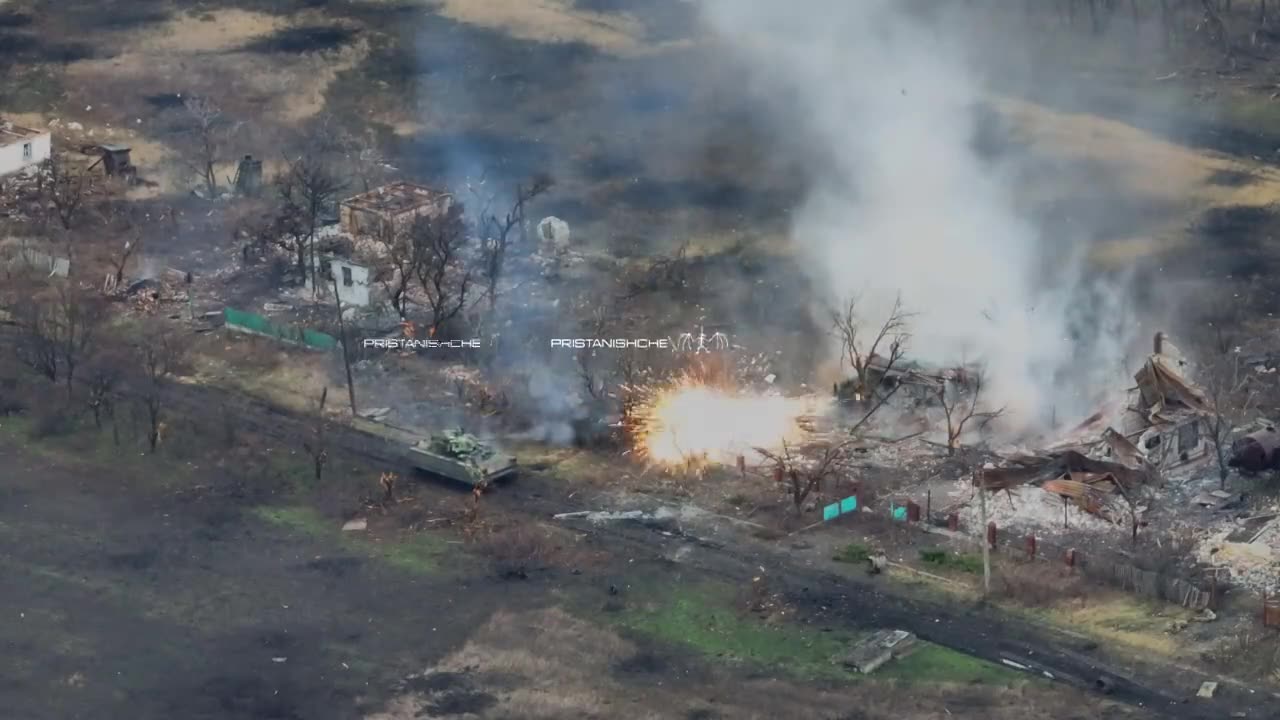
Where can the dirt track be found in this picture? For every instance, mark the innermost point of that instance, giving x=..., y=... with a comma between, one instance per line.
x=976, y=631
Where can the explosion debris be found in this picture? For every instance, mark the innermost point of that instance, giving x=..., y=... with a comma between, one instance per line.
x=707, y=414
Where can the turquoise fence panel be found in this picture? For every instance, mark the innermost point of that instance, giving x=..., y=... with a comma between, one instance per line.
x=255, y=323
x=319, y=340
x=830, y=512
x=849, y=504
x=900, y=513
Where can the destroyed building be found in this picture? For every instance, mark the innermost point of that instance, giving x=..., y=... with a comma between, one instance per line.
x=390, y=208
x=22, y=148
x=1161, y=425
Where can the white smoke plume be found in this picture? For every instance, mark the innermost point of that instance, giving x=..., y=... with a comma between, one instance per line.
x=908, y=205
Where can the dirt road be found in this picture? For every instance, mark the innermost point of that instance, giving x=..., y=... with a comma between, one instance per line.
x=980, y=632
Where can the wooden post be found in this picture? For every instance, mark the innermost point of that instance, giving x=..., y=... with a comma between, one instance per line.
x=928, y=506
x=346, y=356
x=986, y=544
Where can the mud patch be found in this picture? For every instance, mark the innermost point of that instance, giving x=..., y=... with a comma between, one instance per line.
x=11, y=19
x=136, y=561
x=1231, y=178
x=336, y=566
x=305, y=39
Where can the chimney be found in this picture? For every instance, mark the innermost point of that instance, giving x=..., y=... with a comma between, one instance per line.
x=1159, y=343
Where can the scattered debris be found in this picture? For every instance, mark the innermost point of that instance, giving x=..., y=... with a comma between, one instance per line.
x=355, y=525
x=1256, y=452
x=1207, y=689
x=879, y=648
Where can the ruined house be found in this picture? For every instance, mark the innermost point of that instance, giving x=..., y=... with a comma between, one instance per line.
x=1159, y=426
x=22, y=148
x=390, y=208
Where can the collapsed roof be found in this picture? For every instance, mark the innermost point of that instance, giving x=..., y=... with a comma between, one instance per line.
x=1117, y=451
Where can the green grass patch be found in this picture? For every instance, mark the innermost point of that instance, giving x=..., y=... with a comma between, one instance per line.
x=417, y=553
x=298, y=519
x=856, y=553
x=929, y=663
x=944, y=560
x=703, y=618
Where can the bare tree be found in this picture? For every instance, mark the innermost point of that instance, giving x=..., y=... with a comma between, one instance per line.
x=157, y=353
x=960, y=397
x=76, y=320
x=805, y=471
x=317, y=445
x=495, y=232
x=400, y=266
x=38, y=347
x=56, y=329
x=209, y=133
x=1231, y=398
x=62, y=189
x=1133, y=497
x=596, y=319
x=445, y=272
x=104, y=372
x=119, y=261
x=871, y=355
x=308, y=188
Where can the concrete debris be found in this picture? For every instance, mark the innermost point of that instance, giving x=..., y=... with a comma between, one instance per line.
x=877, y=649
x=355, y=525
x=1207, y=689
x=376, y=413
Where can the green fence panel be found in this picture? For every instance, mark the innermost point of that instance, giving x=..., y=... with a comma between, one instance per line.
x=830, y=512
x=849, y=504
x=319, y=340
x=255, y=323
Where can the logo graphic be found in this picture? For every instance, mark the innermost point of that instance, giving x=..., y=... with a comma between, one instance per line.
x=698, y=344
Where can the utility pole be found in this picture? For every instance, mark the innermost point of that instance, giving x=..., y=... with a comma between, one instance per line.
x=986, y=540
x=342, y=330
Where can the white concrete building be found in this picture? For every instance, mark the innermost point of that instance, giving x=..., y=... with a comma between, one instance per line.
x=21, y=148
x=353, y=280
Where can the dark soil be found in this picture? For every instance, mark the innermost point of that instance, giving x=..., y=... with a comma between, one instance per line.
x=297, y=40
x=126, y=604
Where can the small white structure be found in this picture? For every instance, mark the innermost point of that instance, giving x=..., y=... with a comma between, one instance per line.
x=554, y=232
x=21, y=148
x=353, y=280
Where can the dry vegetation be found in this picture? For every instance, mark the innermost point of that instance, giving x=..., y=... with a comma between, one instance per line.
x=550, y=664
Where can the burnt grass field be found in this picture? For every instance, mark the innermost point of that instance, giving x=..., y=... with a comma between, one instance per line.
x=213, y=581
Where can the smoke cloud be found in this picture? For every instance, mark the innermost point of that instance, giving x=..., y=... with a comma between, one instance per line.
x=908, y=204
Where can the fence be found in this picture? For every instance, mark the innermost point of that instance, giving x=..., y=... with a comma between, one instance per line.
x=242, y=321
x=1117, y=572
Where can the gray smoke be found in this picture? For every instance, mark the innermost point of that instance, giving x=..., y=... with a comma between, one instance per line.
x=908, y=205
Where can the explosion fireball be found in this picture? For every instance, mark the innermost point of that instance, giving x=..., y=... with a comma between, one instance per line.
x=696, y=420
